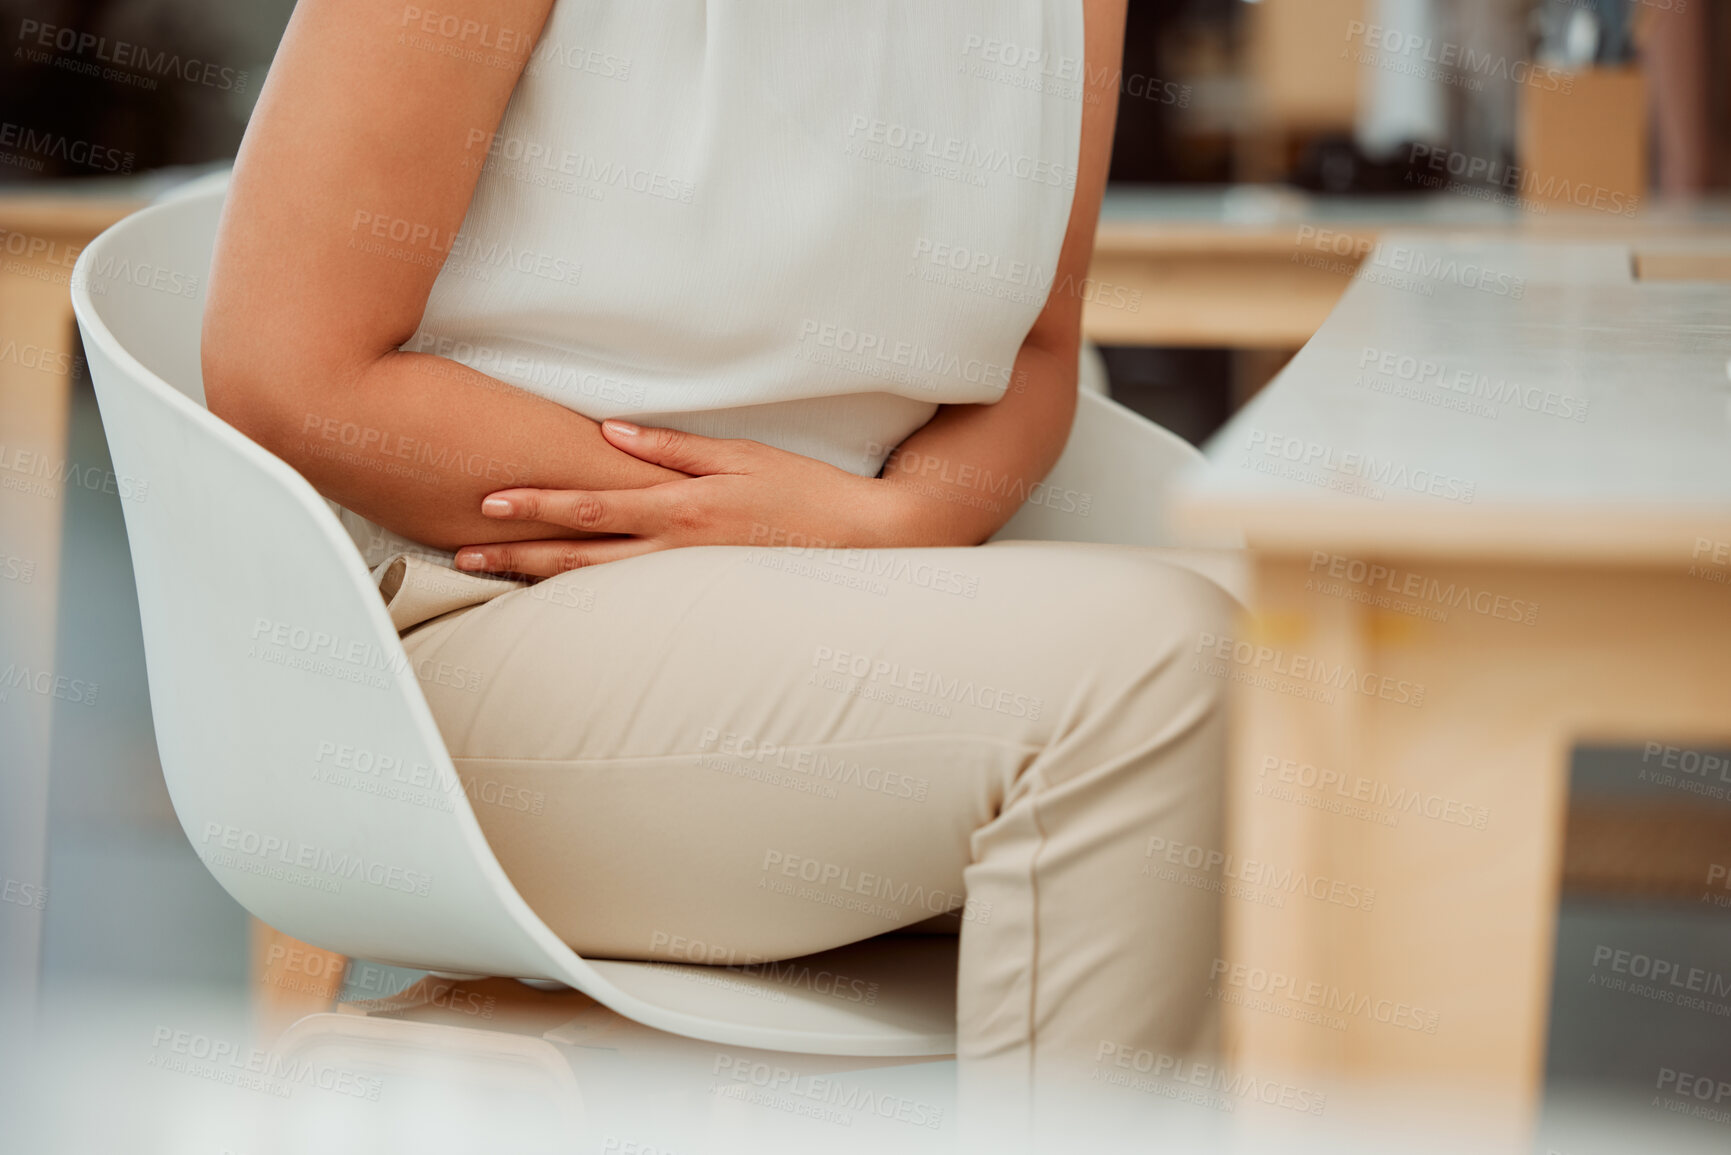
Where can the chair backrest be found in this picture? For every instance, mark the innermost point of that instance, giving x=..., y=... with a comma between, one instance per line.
x=299, y=752
x=1111, y=482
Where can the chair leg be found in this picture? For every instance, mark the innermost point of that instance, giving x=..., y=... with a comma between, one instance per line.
x=290, y=980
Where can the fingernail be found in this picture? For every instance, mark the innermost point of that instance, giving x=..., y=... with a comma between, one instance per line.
x=623, y=428
x=471, y=559
x=496, y=507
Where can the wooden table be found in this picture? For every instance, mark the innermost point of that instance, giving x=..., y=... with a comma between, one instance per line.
x=1485, y=527
x=1260, y=268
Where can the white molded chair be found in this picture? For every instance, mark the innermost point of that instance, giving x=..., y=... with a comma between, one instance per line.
x=266, y=641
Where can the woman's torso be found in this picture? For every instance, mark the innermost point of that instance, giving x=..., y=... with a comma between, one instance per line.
x=806, y=224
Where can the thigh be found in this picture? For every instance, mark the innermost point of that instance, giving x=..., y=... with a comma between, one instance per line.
x=743, y=754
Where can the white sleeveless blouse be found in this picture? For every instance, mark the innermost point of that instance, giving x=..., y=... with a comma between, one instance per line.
x=809, y=224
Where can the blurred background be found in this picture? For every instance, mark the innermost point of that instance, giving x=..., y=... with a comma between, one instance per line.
x=1232, y=113
x=1261, y=148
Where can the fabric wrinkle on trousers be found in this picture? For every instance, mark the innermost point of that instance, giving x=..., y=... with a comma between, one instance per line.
x=734, y=755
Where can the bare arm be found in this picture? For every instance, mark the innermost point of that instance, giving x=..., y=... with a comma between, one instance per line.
x=360, y=127
x=1009, y=446
x=301, y=337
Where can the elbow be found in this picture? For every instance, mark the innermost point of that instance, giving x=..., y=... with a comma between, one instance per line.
x=1053, y=348
x=238, y=383
x=270, y=398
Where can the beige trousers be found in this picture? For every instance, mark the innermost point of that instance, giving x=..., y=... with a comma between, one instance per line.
x=730, y=754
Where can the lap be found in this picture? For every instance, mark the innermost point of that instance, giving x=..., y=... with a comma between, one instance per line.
x=643, y=657
x=677, y=745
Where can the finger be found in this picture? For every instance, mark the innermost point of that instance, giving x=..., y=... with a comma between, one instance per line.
x=632, y=511
x=676, y=449
x=547, y=558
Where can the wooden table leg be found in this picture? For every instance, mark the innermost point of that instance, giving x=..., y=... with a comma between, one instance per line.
x=36, y=372
x=39, y=361
x=1450, y=813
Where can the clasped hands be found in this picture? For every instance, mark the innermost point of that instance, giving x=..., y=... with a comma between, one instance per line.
x=736, y=493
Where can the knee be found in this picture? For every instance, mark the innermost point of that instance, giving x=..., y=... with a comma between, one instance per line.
x=1153, y=676
x=1175, y=623
x=1203, y=610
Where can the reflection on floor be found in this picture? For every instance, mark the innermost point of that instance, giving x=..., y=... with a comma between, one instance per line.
x=414, y=1063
